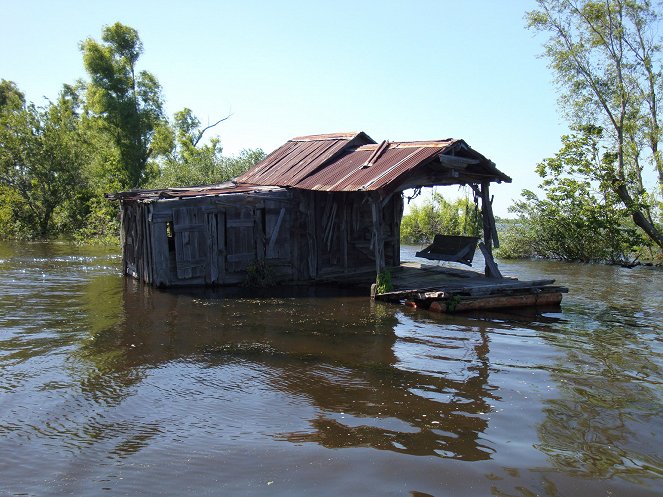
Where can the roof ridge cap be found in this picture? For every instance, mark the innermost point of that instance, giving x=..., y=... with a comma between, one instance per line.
x=343, y=135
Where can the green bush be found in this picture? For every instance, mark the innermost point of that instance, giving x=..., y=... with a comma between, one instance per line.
x=383, y=282
x=259, y=274
x=575, y=219
x=437, y=215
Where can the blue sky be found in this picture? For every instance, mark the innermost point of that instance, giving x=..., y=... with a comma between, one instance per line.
x=398, y=70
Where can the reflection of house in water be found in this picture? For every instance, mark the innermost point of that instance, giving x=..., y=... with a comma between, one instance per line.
x=353, y=367
x=391, y=407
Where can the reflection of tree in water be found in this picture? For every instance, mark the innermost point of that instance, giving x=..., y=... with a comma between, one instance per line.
x=83, y=375
x=337, y=352
x=601, y=425
x=110, y=375
x=106, y=375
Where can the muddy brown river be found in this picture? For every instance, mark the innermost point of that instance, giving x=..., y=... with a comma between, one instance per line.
x=108, y=387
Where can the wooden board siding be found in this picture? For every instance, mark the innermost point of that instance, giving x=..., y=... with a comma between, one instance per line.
x=160, y=254
x=359, y=222
x=240, y=238
x=277, y=231
x=136, y=254
x=129, y=229
x=327, y=233
x=301, y=236
x=218, y=252
x=191, y=248
x=342, y=235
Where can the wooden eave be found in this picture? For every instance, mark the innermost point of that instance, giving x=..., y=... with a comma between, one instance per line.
x=463, y=169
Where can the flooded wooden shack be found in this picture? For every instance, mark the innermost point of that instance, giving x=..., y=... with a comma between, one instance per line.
x=319, y=208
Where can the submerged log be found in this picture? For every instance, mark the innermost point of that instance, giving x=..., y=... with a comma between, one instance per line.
x=475, y=290
x=496, y=302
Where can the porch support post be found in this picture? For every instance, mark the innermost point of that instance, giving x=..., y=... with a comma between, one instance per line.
x=490, y=238
x=486, y=215
x=377, y=238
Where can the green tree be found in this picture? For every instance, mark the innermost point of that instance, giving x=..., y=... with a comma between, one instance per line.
x=194, y=162
x=11, y=98
x=607, y=60
x=124, y=104
x=108, y=134
x=437, y=215
x=579, y=218
x=41, y=162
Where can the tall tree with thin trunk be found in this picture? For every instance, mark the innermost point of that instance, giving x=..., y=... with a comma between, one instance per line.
x=607, y=61
x=124, y=103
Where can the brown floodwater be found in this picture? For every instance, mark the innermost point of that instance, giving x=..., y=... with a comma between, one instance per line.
x=108, y=387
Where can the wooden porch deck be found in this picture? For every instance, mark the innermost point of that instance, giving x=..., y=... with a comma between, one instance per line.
x=446, y=289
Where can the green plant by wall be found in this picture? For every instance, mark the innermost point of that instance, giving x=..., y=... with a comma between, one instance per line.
x=259, y=274
x=383, y=282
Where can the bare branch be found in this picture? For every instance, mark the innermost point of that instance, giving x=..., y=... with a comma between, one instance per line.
x=202, y=132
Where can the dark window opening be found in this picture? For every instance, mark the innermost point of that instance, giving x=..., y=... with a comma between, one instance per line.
x=170, y=234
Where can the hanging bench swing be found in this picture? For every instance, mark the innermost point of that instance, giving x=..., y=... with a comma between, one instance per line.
x=455, y=248
x=451, y=248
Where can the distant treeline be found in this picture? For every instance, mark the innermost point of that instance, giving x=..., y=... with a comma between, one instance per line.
x=106, y=134
x=568, y=224
x=437, y=215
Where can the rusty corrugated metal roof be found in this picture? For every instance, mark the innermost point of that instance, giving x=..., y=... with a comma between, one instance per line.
x=300, y=157
x=361, y=170
x=354, y=162
x=350, y=162
x=330, y=136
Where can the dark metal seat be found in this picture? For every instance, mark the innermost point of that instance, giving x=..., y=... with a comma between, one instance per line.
x=451, y=248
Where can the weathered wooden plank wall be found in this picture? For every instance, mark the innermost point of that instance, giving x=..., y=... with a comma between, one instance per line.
x=301, y=235
x=221, y=251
